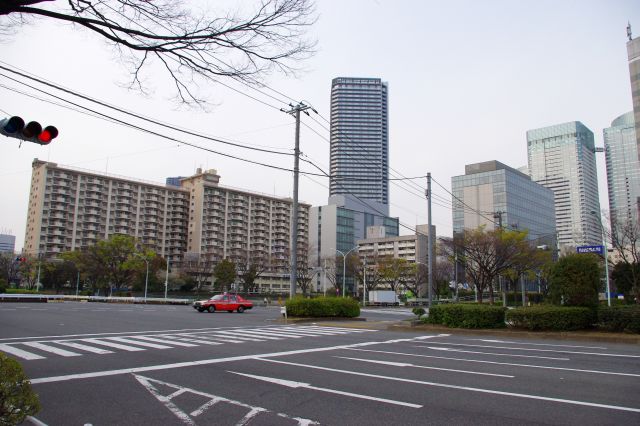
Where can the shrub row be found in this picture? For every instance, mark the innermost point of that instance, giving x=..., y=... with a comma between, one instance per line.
x=467, y=315
x=558, y=318
x=323, y=307
x=534, y=298
x=619, y=318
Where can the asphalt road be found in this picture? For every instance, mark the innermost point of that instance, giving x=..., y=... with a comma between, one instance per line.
x=106, y=364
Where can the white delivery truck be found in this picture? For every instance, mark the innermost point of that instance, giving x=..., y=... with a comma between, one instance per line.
x=383, y=298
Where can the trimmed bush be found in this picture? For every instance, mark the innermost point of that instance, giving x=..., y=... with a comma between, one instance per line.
x=534, y=298
x=323, y=307
x=467, y=315
x=17, y=399
x=21, y=291
x=619, y=318
x=558, y=318
x=575, y=281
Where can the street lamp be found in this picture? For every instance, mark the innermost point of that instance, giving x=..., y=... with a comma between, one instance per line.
x=344, y=267
x=606, y=256
x=146, y=278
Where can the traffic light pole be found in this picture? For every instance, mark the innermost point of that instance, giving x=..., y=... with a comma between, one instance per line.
x=430, y=240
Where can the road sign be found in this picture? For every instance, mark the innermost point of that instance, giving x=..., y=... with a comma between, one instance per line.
x=590, y=249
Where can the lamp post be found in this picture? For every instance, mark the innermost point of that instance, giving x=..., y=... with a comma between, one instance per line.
x=344, y=267
x=606, y=256
x=146, y=277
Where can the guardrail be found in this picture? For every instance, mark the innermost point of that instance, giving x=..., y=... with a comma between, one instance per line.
x=103, y=299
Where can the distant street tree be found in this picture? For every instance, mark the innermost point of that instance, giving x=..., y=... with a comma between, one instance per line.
x=89, y=263
x=57, y=273
x=625, y=236
x=575, y=280
x=9, y=267
x=395, y=272
x=371, y=275
x=28, y=270
x=304, y=277
x=199, y=268
x=186, y=44
x=224, y=274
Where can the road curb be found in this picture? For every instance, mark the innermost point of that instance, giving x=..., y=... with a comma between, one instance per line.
x=594, y=336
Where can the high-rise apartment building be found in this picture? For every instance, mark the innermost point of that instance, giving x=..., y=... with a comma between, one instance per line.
x=360, y=140
x=633, y=53
x=562, y=158
x=72, y=209
x=623, y=170
x=491, y=193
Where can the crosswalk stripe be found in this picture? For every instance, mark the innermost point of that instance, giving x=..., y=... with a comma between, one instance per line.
x=155, y=339
x=135, y=341
x=51, y=349
x=83, y=347
x=169, y=340
x=114, y=345
x=314, y=331
x=199, y=341
x=225, y=339
x=19, y=352
x=245, y=335
x=291, y=333
x=273, y=333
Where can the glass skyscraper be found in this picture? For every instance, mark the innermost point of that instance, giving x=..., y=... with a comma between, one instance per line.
x=491, y=192
x=360, y=141
x=623, y=170
x=633, y=53
x=562, y=158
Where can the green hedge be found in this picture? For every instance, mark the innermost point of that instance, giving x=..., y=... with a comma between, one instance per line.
x=558, y=318
x=21, y=291
x=323, y=307
x=467, y=315
x=534, y=298
x=619, y=318
x=17, y=399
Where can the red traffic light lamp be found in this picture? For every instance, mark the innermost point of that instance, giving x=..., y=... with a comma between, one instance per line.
x=15, y=127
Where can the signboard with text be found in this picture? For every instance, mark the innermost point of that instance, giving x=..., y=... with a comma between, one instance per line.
x=590, y=249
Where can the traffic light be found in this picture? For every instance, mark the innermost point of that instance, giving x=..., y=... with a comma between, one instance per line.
x=15, y=127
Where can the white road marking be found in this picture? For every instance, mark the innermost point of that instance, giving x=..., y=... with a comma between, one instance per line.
x=537, y=350
x=118, y=372
x=467, y=388
x=51, y=349
x=198, y=341
x=295, y=385
x=316, y=331
x=19, y=352
x=234, y=335
x=490, y=353
x=132, y=341
x=403, y=364
x=36, y=421
x=500, y=363
x=225, y=338
x=83, y=347
x=161, y=341
x=253, y=411
x=539, y=344
x=275, y=333
x=113, y=345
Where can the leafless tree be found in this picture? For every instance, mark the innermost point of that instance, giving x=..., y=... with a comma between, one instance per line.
x=625, y=237
x=244, y=45
x=200, y=268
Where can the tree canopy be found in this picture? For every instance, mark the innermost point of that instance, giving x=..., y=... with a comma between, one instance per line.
x=188, y=44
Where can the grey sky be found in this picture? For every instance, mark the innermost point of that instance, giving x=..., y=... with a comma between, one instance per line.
x=466, y=80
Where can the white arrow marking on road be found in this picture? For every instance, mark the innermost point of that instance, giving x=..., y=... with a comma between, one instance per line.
x=293, y=384
x=403, y=364
x=539, y=344
x=489, y=353
x=536, y=350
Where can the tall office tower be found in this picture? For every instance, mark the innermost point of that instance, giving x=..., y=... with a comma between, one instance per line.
x=623, y=171
x=633, y=52
x=360, y=141
x=562, y=158
x=491, y=193
x=7, y=243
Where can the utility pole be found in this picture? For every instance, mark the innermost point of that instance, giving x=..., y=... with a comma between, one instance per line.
x=295, y=111
x=166, y=278
x=430, y=240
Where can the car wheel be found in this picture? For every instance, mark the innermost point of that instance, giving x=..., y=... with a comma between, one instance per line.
x=212, y=309
x=240, y=309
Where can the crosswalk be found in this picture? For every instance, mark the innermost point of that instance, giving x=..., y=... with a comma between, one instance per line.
x=109, y=344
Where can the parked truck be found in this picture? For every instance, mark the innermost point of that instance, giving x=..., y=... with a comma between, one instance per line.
x=383, y=298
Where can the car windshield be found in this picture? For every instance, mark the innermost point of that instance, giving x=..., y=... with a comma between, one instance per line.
x=217, y=297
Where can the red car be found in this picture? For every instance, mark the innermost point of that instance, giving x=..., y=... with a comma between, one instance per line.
x=223, y=302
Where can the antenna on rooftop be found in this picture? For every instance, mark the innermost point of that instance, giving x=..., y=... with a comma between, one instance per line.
x=629, y=30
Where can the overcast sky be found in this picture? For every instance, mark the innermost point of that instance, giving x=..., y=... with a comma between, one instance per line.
x=466, y=80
